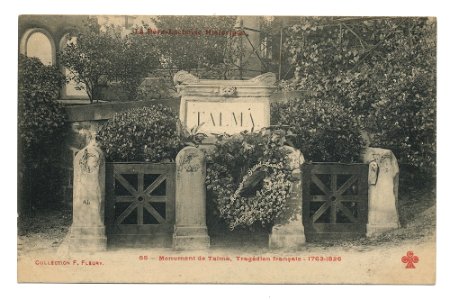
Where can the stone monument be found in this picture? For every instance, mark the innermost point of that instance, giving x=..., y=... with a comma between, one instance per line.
x=190, y=230
x=224, y=106
x=88, y=229
x=383, y=190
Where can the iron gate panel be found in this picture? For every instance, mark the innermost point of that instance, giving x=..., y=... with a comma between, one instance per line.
x=140, y=203
x=335, y=200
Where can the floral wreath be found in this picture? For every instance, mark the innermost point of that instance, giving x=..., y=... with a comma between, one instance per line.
x=244, y=205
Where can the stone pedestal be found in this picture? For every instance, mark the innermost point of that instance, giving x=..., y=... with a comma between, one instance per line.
x=88, y=230
x=190, y=230
x=290, y=234
x=383, y=190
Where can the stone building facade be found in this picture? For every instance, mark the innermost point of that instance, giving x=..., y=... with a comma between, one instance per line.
x=44, y=36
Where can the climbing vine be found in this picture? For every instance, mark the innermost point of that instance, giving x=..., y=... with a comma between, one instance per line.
x=383, y=69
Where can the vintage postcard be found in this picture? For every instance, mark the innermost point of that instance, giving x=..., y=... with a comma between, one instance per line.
x=226, y=149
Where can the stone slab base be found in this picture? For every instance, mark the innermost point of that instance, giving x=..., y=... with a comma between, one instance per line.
x=89, y=231
x=190, y=231
x=374, y=230
x=87, y=244
x=190, y=242
x=286, y=238
x=87, y=239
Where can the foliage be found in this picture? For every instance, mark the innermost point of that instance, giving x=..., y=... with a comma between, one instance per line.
x=322, y=130
x=95, y=56
x=159, y=86
x=88, y=57
x=191, y=137
x=41, y=126
x=235, y=160
x=141, y=134
x=133, y=60
x=205, y=54
x=382, y=68
x=98, y=55
x=407, y=125
x=404, y=117
x=41, y=118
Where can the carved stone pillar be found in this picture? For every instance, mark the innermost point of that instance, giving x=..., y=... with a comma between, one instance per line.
x=190, y=230
x=88, y=229
x=383, y=190
x=290, y=234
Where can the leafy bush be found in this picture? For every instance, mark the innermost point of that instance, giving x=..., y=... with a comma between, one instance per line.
x=133, y=60
x=322, y=130
x=403, y=117
x=407, y=125
x=384, y=69
x=156, y=87
x=208, y=55
x=141, y=134
x=41, y=118
x=41, y=126
x=95, y=57
x=89, y=57
x=243, y=202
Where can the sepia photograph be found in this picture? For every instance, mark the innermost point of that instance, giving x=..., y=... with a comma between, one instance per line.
x=227, y=149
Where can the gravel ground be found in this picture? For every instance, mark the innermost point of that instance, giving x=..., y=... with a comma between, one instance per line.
x=45, y=230
x=43, y=240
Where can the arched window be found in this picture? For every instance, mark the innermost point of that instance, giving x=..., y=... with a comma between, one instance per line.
x=38, y=42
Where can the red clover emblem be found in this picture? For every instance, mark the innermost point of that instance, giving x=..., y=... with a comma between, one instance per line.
x=410, y=259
